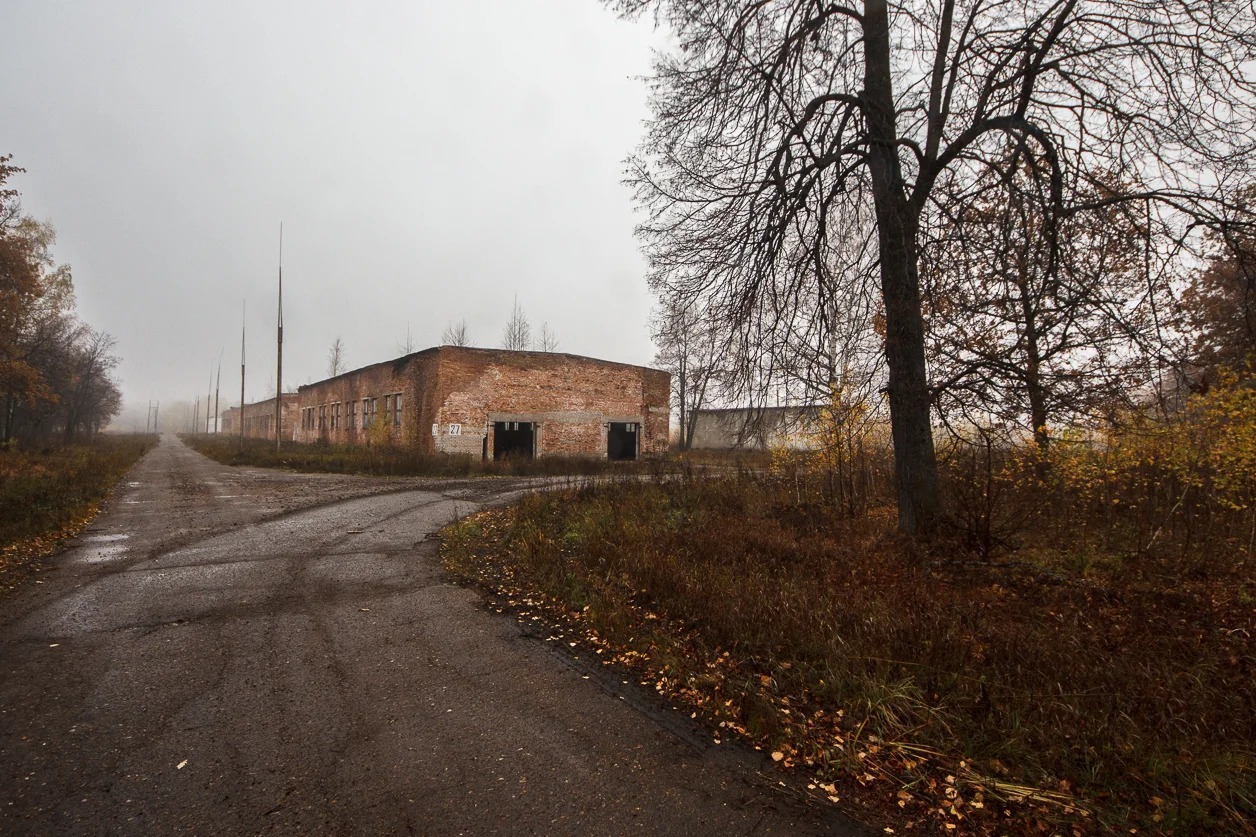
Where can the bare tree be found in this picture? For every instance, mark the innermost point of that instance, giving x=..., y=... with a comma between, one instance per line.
x=548, y=340
x=1032, y=332
x=1222, y=305
x=689, y=348
x=336, y=358
x=518, y=333
x=455, y=334
x=406, y=346
x=775, y=112
x=92, y=396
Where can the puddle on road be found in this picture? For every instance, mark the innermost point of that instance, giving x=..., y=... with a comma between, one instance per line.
x=105, y=538
x=98, y=555
x=134, y=484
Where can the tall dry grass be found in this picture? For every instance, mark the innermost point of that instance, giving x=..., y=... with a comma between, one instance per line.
x=46, y=492
x=1083, y=633
x=397, y=460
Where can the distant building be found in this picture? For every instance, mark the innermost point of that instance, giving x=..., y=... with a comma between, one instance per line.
x=755, y=428
x=259, y=418
x=486, y=402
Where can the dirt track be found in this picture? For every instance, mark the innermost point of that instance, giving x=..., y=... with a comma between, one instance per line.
x=238, y=651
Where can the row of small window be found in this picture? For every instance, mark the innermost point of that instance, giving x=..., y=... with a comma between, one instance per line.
x=344, y=415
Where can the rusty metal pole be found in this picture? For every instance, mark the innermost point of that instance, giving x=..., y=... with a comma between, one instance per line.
x=279, y=353
x=243, y=320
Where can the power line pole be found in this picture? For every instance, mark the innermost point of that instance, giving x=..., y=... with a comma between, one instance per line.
x=196, y=412
x=208, y=393
x=148, y=417
x=217, y=386
x=243, y=319
x=156, y=415
x=279, y=352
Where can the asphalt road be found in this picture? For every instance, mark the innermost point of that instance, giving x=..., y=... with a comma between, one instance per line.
x=234, y=651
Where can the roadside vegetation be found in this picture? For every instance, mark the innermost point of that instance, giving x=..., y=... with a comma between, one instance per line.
x=49, y=494
x=57, y=391
x=57, y=378
x=398, y=461
x=1077, y=651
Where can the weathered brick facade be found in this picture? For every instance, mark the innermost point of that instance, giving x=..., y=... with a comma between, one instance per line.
x=259, y=418
x=461, y=400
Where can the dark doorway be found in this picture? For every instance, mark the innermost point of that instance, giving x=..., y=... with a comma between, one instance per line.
x=514, y=439
x=621, y=441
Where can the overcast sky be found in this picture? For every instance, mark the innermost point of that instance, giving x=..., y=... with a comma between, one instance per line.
x=428, y=160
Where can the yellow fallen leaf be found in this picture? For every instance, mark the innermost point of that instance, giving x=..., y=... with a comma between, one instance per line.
x=777, y=755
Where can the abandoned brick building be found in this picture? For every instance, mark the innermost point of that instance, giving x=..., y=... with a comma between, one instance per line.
x=259, y=418
x=486, y=402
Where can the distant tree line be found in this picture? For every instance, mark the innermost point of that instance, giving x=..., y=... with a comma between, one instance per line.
x=57, y=376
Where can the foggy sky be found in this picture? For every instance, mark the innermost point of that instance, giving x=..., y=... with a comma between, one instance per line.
x=428, y=160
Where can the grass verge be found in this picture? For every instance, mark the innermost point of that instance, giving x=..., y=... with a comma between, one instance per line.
x=398, y=461
x=958, y=696
x=48, y=495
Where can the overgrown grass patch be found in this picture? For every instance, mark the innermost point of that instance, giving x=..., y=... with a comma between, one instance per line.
x=48, y=494
x=393, y=460
x=997, y=697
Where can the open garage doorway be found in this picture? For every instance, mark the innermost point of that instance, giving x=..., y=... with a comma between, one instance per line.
x=515, y=439
x=621, y=440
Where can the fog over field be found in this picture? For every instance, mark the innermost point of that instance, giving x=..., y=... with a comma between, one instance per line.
x=429, y=162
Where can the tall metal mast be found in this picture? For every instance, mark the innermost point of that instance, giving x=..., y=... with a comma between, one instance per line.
x=279, y=353
x=243, y=319
x=217, y=386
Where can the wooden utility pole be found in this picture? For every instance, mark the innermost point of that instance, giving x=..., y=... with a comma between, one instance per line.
x=196, y=412
x=208, y=393
x=279, y=352
x=148, y=417
x=156, y=415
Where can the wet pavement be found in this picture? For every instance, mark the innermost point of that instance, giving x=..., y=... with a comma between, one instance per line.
x=235, y=651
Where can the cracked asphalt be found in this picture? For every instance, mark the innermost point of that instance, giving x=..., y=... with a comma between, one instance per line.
x=238, y=651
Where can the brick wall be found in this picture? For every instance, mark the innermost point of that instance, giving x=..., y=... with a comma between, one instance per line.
x=451, y=397
x=332, y=410
x=259, y=418
x=569, y=398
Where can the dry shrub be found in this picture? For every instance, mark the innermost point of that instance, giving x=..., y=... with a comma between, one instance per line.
x=1123, y=693
x=1170, y=496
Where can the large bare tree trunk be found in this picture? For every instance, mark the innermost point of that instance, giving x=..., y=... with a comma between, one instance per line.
x=915, y=461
